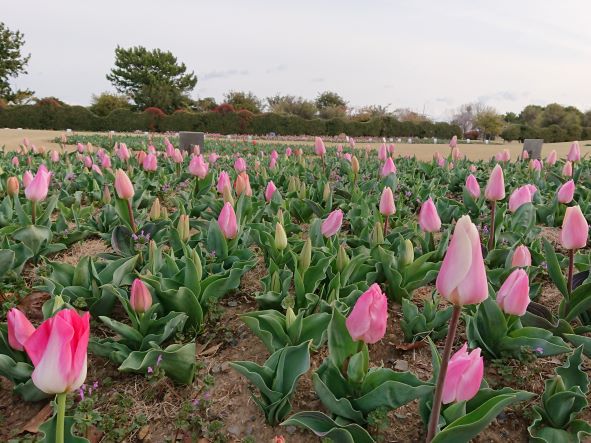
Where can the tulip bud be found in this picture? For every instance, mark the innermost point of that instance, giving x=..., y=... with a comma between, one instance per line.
x=464, y=375
x=472, y=186
x=342, y=258
x=305, y=257
x=164, y=213
x=275, y=282
x=291, y=185
x=152, y=251
x=123, y=185
x=326, y=192
x=387, y=206
x=280, y=237
x=368, y=318
x=155, y=209
x=429, y=220
x=227, y=195
x=302, y=191
x=332, y=224
x=575, y=229
x=290, y=317
x=377, y=235
x=106, y=195
x=140, y=298
x=355, y=165
x=12, y=186
x=495, y=188
x=513, y=296
x=407, y=251
x=197, y=261
x=566, y=192
x=228, y=222
x=183, y=227
x=521, y=257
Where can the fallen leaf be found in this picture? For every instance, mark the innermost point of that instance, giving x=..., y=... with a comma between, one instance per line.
x=210, y=351
x=410, y=346
x=41, y=417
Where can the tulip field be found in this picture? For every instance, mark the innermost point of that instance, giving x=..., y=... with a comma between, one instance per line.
x=253, y=291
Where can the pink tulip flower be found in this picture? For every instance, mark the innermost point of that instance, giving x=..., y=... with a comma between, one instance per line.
x=367, y=321
x=58, y=350
x=150, y=163
x=535, y=165
x=575, y=229
x=177, y=156
x=566, y=192
x=319, y=147
x=472, y=186
x=521, y=257
x=213, y=157
x=574, y=153
x=123, y=152
x=332, y=224
x=495, y=188
x=269, y=191
x=567, y=169
x=552, y=157
x=227, y=221
x=15, y=162
x=453, y=142
x=462, y=277
x=519, y=197
x=513, y=296
x=288, y=152
x=242, y=185
x=388, y=168
x=140, y=298
x=240, y=165
x=387, y=206
x=429, y=220
x=524, y=155
x=54, y=156
x=198, y=167
x=106, y=161
x=123, y=185
x=223, y=182
x=37, y=190
x=382, y=153
x=27, y=179
x=19, y=329
x=464, y=375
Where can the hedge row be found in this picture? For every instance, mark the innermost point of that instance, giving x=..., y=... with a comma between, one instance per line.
x=242, y=122
x=550, y=134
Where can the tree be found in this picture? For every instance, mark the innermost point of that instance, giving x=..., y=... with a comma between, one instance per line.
x=244, y=100
x=107, y=102
x=292, y=105
x=464, y=116
x=531, y=115
x=511, y=117
x=12, y=63
x=204, y=104
x=330, y=99
x=408, y=115
x=152, y=78
x=489, y=122
x=366, y=113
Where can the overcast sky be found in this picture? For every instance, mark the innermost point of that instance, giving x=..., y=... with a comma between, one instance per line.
x=427, y=55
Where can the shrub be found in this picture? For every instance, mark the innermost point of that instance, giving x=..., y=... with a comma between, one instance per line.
x=511, y=132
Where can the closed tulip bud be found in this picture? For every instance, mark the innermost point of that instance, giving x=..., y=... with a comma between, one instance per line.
x=106, y=195
x=291, y=184
x=54, y=156
x=566, y=192
x=223, y=182
x=464, y=375
x=552, y=157
x=525, y=155
x=332, y=224
x=240, y=165
x=382, y=153
x=574, y=153
x=269, y=191
x=453, y=142
x=429, y=220
x=12, y=186
x=472, y=186
x=368, y=318
x=519, y=197
x=305, y=257
x=387, y=206
x=152, y=256
x=198, y=167
x=388, y=168
x=123, y=152
x=150, y=163
x=567, y=169
x=27, y=178
x=575, y=229
x=462, y=277
x=37, y=190
x=280, y=237
x=280, y=215
x=326, y=192
x=183, y=227
x=58, y=350
x=521, y=257
x=302, y=191
x=155, y=209
x=164, y=213
x=275, y=282
x=535, y=165
x=377, y=235
x=495, y=188
x=242, y=184
x=319, y=147
x=407, y=253
x=342, y=258
x=227, y=221
x=123, y=185
x=290, y=317
x=456, y=154
x=227, y=196
x=106, y=162
x=140, y=298
x=19, y=329
x=88, y=162
x=198, y=266
x=513, y=296
x=355, y=165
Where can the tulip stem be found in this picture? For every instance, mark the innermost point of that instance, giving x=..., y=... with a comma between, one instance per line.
x=449, y=341
x=33, y=212
x=61, y=414
x=386, y=225
x=131, y=218
x=491, y=238
x=571, y=265
x=196, y=191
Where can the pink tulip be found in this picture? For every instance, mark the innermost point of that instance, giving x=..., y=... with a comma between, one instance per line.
x=429, y=220
x=456, y=154
x=574, y=153
x=97, y=169
x=367, y=321
x=123, y=185
x=242, y=185
x=552, y=157
x=347, y=156
x=339, y=149
x=123, y=152
x=19, y=329
x=150, y=163
x=223, y=182
x=197, y=150
x=575, y=229
x=288, y=152
x=106, y=161
x=332, y=224
x=441, y=162
x=269, y=191
x=37, y=190
x=453, y=142
x=532, y=189
x=80, y=147
x=566, y=192
x=213, y=157
x=462, y=277
x=382, y=153
x=464, y=375
x=169, y=149
x=524, y=155
x=473, y=169
x=227, y=221
x=274, y=154
x=388, y=168
x=495, y=188
x=88, y=162
x=273, y=163
x=519, y=197
x=319, y=147
x=387, y=206
x=58, y=351
x=177, y=156
x=391, y=148
x=472, y=186
x=513, y=296
x=140, y=157
x=240, y=164
x=567, y=169
x=198, y=167
x=15, y=162
x=152, y=149
x=535, y=165
x=27, y=179
x=54, y=156
x=521, y=257
x=140, y=298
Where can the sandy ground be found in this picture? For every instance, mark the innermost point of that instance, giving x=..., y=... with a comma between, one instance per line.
x=10, y=139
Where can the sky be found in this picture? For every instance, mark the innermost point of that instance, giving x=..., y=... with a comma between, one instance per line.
x=430, y=56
